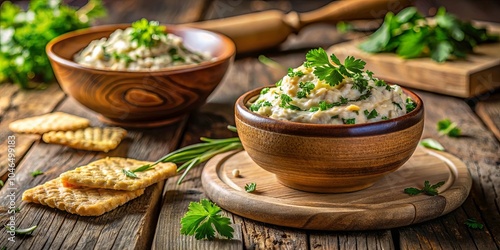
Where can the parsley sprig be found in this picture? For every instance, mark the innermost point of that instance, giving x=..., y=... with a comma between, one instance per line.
x=330, y=73
x=428, y=189
x=201, y=219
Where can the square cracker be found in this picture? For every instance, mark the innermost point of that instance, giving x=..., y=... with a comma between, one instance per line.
x=57, y=121
x=79, y=200
x=108, y=173
x=91, y=138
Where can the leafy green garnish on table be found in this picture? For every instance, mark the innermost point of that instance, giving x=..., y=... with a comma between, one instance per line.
x=449, y=128
x=432, y=144
x=147, y=33
x=250, y=187
x=36, y=173
x=195, y=154
x=26, y=33
x=411, y=35
x=428, y=189
x=1, y=183
x=22, y=231
x=201, y=219
x=473, y=223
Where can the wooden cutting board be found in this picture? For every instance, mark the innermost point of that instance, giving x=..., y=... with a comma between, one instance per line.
x=478, y=73
x=381, y=206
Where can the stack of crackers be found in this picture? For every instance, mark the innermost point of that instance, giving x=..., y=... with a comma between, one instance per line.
x=98, y=187
x=71, y=131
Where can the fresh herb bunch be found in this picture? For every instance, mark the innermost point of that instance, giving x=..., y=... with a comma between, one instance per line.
x=147, y=33
x=201, y=219
x=411, y=35
x=193, y=155
x=26, y=33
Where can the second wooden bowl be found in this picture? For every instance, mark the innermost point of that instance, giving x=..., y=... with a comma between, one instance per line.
x=328, y=158
x=141, y=98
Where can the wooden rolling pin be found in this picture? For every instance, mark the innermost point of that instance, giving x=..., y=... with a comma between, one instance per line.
x=267, y=29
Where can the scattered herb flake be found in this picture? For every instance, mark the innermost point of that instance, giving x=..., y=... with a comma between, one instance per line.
x=473, y=223
x=201, y=219
x=397, y=105
x=250, y=187
x=264, y=91
x=36, y=173
x=449, y=128
x=432, y=144
x=22, y=231
x=410, y=105
x=371, y=114
x=349, y=121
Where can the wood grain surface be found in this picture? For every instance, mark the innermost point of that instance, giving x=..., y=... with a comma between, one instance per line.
x=153, y=220
x=382, y=206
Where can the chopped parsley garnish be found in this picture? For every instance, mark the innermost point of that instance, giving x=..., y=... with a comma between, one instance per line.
x=250, y=187
x=306, y=88
x=384, y=118
x=331, y=74
x=285, y=102
x=264, y=91
x=122, y=57
x=256, y=106
x=349, y=121
x=292, y=73
x=410, y=105
x=175, y=56
x=147, y=33
x=278, y=83
x=335, y=117
x=449, y=128
x=371, y=114
x=202, y=218
x=313, y=109
x=397, y=105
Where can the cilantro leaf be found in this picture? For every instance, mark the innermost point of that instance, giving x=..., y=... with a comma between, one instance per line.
x=428, y=189
x=201, y=219
x=449, y=128
x=250, y=187
x=432, y=144
x=473, y=223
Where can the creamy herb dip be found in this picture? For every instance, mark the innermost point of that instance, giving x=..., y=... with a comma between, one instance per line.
x=121, y=52
x=301, y=96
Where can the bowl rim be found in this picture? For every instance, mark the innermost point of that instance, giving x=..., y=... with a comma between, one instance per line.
x=228, y=52
x=243, y=113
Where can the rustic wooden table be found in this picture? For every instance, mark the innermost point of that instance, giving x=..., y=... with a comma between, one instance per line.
x=152, y=220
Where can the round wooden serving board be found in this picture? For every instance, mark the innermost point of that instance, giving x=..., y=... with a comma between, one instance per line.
x=382, y=206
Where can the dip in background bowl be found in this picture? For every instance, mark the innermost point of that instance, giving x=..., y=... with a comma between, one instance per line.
x=328, y=158
x=141, y=98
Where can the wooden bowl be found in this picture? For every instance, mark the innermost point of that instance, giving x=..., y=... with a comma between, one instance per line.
x=141, y=98
x=328, y=158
